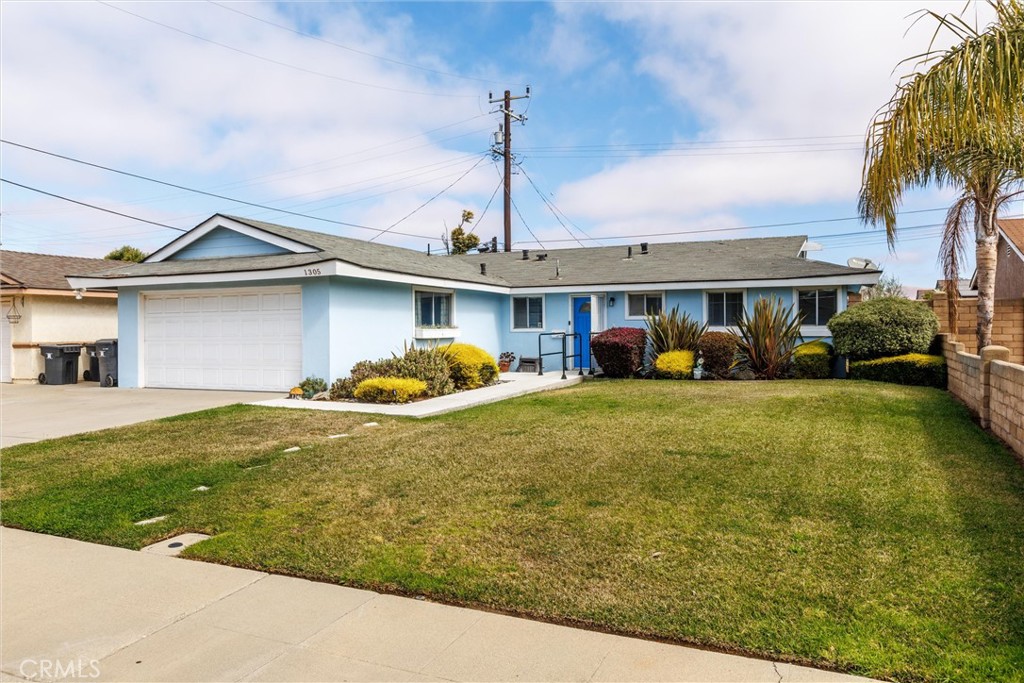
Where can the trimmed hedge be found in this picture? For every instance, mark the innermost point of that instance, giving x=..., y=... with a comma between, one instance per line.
x=718, y=349
x=916, y=369
x=471, y=367
x=674, y=365
x=881, y=328
x=620, y=350
x=390, y=390
x=428, y=365
x=813, y=360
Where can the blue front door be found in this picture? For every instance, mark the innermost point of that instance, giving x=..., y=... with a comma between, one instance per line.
x=581, y=326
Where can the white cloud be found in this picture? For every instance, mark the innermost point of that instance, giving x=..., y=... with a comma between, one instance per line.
x=755, y=71
x=87, y=80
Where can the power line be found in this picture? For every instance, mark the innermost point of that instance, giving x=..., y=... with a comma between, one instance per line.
x=520, y=214
x=497, y=187
x=280, y=63
x=218, y=196
x=91, y=206
x=350, y=49
x=548, y=205
x=454, y=182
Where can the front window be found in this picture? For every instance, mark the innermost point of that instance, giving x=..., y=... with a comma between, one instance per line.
x=528, y=313
x=817, y=306
x=433, y=309
x=642, y=304
x=724, y=308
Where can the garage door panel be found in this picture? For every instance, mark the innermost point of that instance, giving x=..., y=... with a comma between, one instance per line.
x=224, y=340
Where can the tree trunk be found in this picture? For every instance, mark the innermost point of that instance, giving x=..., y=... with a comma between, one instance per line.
x=986, y=240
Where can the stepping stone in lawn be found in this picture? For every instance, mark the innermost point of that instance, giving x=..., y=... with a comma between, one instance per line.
x=201, y=488
x=154, y=520
x=370, y=424
x=173, y=546
x=337, y=436
x=293, y=449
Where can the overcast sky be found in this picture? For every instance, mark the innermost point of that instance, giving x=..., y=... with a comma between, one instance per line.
x=678, y=120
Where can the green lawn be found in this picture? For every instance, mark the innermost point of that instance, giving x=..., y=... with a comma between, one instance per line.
x=867, y=527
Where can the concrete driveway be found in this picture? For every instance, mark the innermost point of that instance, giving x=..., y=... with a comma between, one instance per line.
x=33, y=412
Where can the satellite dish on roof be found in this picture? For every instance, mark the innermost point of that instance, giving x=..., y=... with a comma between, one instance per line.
x=863, y=263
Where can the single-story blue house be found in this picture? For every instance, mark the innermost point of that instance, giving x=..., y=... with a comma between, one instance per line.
x=241, y=304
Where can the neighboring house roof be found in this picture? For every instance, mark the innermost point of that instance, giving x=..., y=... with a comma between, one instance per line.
x=1013, y=231
x=963, y=285
x=24, y=270
x=770, y=258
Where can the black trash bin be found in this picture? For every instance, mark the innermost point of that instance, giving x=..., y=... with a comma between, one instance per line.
x=60, y=363
x=93, y=373
x=106, y=350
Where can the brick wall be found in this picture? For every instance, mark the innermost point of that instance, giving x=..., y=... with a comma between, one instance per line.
x=964, y=370
x=1007, y=325
x=991, y=387
x=1006, y=404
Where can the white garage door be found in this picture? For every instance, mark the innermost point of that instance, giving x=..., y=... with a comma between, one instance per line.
x=248, y=339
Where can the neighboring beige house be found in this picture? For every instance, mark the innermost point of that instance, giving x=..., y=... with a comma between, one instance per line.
x=39, y=307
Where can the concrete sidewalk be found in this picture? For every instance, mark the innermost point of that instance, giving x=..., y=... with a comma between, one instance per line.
x=512, y=384
x=107, y=614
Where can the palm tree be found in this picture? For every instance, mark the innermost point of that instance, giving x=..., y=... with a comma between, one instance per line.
x=956, y=122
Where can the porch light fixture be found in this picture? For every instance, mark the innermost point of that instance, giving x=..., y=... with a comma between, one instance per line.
x=13, y=315
x=611, y=302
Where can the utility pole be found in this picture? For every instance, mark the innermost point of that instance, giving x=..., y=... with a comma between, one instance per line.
x=504, y=138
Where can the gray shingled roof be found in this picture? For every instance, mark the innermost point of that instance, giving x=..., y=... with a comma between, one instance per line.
x=767, y=258
x=764, y=258
x=361, y=253
x=47, y=271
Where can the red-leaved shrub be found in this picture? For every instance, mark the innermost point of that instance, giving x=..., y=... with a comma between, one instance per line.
x=620, y=350
x=719, y=352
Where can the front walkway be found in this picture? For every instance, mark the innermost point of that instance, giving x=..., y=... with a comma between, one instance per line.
x=79, y=611
x=512, y=384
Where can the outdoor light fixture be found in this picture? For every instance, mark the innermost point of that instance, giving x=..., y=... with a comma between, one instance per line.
x=78, y=294
x=13, y=315
x=611, y=302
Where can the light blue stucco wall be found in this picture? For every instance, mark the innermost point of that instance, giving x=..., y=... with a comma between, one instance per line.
x=221, y=242
x=128, y=337
x=346, y=320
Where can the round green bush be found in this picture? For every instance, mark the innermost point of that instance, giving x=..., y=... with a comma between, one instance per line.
x=389, y=390
x=890, y=326
x=718, y=349
x=813, y=360
x=674, y=365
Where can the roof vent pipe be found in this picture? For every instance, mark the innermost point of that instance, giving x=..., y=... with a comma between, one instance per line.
x=483, y=269
x=629, y=252
x=643, y=248
x=542, y=257
x=526, y=254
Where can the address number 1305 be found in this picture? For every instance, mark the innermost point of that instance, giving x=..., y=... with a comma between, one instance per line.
x=311, y=271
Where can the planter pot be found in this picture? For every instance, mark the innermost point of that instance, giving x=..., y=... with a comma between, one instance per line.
x=504, y=365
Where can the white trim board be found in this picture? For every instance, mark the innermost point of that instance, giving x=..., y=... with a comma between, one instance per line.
x=344, y=269
x=218, y=221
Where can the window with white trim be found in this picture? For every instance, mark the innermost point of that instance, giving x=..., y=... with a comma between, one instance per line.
x=817, y=306
x=641, y=304
x=724, y=308
x=527, y=312
x=434, y=309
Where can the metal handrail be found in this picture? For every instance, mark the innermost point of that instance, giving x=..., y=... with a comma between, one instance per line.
x=565, y=356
